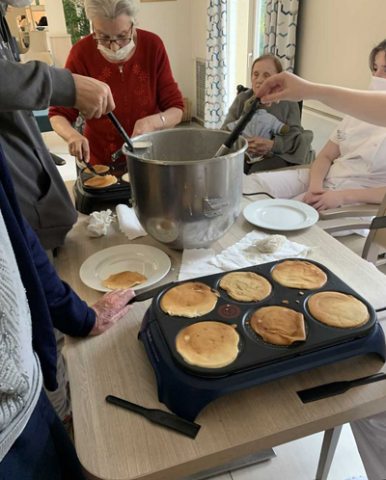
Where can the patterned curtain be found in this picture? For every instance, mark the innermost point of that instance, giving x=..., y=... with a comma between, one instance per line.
x=216, y=64
x=280, y=30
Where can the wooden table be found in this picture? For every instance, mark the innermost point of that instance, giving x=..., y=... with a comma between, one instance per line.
x=115, y=444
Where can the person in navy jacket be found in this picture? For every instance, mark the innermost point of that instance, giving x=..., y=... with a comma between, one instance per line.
x=34, y=300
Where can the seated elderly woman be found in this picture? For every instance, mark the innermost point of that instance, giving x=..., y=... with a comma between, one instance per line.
x=275, y=136
x=134, y=63
x=350, y=168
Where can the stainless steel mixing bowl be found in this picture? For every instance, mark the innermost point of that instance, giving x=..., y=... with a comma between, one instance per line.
x=183, y=196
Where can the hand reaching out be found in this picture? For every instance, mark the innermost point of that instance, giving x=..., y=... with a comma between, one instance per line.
x=111, y=308
x=284, y=86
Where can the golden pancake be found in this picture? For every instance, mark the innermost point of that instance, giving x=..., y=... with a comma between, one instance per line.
x=99, y=181
x=299, y=274
x=190, y=299
x=208, y=344
x=98, y=169
x=245, y=286
x=278, y=325
x=125, y=279
x=338, y=309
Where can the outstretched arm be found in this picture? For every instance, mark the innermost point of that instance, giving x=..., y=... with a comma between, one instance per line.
x=78, y=145
x=368, y=106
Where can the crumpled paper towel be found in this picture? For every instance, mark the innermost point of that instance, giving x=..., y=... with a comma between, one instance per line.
x=200, y=262
x=99, y=222
x=128, y=222
x=245, y=253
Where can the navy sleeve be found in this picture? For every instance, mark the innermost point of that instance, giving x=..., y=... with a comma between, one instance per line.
x=69, y=313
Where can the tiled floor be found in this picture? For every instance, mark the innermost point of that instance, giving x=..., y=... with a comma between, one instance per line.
x=296, y=460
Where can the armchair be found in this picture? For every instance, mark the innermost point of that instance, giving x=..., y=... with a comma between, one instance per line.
x=374, y=249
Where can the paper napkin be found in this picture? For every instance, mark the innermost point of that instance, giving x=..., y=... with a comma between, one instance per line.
x=201, y=262
x=245, y=253
x=128, y=222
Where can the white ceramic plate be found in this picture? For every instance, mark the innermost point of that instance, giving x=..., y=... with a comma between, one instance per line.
x=150, y=261
x=280, y=214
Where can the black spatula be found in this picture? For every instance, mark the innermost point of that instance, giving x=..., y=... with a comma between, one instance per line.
x=166, y=419
x=239, y=127
x=335, y=388
x=121, y=131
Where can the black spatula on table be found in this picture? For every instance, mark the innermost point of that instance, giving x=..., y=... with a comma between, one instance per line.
x=166, y=419
x=336, y=388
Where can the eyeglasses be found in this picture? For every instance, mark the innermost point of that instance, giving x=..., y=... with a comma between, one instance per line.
x=107, y=41
x=120, y=40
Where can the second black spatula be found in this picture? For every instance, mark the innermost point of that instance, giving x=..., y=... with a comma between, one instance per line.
x=336, y=388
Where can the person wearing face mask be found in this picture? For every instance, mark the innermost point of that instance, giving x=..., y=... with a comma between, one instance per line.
x=135, y=64
x=269, y=149
x=349, y=169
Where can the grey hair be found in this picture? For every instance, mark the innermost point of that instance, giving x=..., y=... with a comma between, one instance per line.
x=111, y=9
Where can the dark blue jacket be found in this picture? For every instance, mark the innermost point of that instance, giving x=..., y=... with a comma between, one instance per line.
x=51, y=301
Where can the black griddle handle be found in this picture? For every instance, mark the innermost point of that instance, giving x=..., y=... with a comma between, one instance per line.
x=141, y=297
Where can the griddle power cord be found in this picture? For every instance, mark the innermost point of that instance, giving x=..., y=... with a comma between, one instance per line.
x=258, y=193
x=381, y=309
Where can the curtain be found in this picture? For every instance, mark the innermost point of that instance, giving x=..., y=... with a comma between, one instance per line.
x=280, y=30
x=216, y=64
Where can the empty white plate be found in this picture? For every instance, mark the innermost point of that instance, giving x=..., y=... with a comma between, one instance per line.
x=280, y=214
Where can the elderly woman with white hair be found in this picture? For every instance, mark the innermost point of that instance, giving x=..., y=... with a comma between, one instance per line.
x=134, y=63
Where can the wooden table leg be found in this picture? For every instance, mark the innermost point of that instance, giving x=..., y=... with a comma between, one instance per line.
x=330, y=441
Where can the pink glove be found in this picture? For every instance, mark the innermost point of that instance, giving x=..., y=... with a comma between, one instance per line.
x=111, y=308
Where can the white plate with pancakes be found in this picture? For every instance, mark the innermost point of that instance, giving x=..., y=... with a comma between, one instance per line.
x=149, y=261
x=280, y=214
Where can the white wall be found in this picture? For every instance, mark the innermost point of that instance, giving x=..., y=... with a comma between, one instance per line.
x=171, y=20
x=335, y=40
x=182, y=26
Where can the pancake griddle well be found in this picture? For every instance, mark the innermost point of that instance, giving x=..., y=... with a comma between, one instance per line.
x=186, y=389
x=88, y=199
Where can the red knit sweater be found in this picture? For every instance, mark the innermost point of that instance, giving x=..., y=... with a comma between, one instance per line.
x=141, y=86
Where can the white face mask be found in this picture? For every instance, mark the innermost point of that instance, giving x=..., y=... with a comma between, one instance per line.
x=18, y=3
x=119, y=55
x=377, y=83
